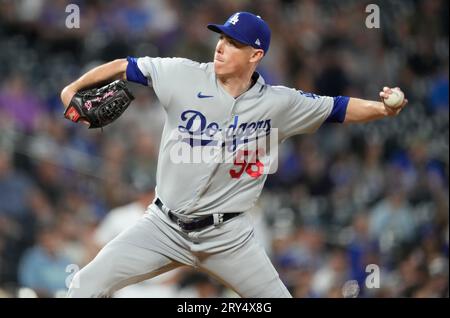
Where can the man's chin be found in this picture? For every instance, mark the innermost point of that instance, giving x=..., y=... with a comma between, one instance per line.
x=218, y=69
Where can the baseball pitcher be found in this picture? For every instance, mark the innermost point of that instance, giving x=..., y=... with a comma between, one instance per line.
x=221, y=110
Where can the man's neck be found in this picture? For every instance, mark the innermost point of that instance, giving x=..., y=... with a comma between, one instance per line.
x=236, y=85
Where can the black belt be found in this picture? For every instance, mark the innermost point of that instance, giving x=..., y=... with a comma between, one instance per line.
x=195, y=224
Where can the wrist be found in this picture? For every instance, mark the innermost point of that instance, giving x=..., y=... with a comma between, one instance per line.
x=387, y=110
x=67, y=94
x=384, y=109
x=379, y=109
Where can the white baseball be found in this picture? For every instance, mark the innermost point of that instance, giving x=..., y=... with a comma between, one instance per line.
x=395, y=99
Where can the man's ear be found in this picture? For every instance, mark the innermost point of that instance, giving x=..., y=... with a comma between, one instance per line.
x=257, y=55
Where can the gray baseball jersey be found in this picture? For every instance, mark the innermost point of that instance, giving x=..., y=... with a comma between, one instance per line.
x=199, y=107
x=200, y=114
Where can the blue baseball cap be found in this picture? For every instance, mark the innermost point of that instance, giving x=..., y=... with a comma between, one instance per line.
x=246, y=28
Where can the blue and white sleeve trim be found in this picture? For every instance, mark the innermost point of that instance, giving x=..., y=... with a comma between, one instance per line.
x=339, y=111
x=134, y=74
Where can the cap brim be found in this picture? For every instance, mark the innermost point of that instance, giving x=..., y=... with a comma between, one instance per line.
x=219, y=28
x=215, y=27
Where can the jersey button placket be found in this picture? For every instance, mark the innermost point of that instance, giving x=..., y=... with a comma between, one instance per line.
x=233, y=113
x=227, y=123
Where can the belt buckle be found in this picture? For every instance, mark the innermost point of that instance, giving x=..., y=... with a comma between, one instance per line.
x=183, y=225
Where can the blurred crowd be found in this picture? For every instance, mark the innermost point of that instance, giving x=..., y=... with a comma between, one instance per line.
x=342, y=199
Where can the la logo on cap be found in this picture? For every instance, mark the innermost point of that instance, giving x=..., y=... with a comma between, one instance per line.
x=234, y=19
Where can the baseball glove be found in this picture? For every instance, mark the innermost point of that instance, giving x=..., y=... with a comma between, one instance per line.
x=99, y=106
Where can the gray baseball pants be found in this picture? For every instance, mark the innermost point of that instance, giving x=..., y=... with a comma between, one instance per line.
x=229, y=252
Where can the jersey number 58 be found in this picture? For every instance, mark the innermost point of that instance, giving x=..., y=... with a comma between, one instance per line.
x=254, y=168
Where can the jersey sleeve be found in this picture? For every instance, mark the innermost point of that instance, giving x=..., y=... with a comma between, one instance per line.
x=305, y=113
x=156, y=72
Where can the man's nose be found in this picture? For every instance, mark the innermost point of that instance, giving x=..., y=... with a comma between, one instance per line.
x=219, y=47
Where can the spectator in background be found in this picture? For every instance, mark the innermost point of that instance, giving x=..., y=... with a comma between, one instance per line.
x=198, y=285
x=20, y=206
x=17, y=102
x=330, y=278
x=14, y=189
x=361, y=248
x=43, y=267
x=77, y=232
x=303, y=284
x=437, y=286
x=333, y=79
x=123, y=217
x=391, y=222
x=438, y=95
